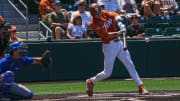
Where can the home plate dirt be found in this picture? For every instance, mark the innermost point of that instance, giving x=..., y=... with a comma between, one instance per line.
x=112, y=96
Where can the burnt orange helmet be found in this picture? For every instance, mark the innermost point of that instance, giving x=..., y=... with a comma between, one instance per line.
x=94, y=9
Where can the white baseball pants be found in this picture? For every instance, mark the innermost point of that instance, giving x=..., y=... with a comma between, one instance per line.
x=111, y=50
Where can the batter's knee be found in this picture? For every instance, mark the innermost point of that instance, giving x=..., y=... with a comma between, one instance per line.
x=107, y=74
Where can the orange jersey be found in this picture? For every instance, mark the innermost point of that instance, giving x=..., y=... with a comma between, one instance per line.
x=104, y=25
x=1, y=19
x=44, y=4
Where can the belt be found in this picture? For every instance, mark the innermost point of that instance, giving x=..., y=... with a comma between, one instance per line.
x=114, y=40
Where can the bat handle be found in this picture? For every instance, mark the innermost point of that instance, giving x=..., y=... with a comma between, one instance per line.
x=124, y=41
x=124, y=46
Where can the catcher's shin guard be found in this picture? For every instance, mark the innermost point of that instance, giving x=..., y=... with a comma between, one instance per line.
x=7, y=80
x=89, y=87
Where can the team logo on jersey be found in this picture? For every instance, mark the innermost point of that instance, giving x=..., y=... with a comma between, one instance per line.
x=107, y=24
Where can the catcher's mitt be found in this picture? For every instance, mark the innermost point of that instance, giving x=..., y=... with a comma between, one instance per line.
x=46, y=59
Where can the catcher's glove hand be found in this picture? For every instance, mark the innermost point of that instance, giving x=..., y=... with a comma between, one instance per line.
x=46, y=59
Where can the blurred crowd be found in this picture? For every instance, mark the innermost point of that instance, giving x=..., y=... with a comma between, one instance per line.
x=67, y=24
x=64, y=23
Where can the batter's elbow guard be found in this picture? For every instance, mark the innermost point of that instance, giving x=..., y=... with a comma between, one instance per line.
x=118, y=19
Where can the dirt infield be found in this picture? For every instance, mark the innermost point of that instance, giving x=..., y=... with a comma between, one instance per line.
x=112, y=96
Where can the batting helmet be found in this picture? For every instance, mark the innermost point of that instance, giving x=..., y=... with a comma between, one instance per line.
x=94, y=9
x=16, y=45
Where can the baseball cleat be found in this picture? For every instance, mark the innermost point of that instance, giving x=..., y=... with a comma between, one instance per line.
x=89, y=87
x=143, y=90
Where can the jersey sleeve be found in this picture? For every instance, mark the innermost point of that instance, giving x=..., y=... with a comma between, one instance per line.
x=84, y=28
x=3, y=65
x=27, y=60
x=99, y=31
x=70, y=26
x=47, y=5
x=1, y=19
x=112, y=15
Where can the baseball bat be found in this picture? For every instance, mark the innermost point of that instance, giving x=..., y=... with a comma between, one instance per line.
x=124, y=41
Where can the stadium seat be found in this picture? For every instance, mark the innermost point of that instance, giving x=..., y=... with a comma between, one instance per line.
x=159, y=21
x=172, y=31
x=175, y=20
x=154, y=32
x=143, y=20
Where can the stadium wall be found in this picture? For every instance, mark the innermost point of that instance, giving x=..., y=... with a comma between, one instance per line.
x=80, y=60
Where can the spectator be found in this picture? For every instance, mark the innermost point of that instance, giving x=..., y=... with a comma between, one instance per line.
x=135, y=29
x=46, y=6
x=76, y=30
x=169, y=6
x=1, y=19
x=112, y=5
x=150, y=7
x=58, y=20
x=85, y=15
x=4, y=37
x=13, y=36
x=130, y=7
x=101, y=4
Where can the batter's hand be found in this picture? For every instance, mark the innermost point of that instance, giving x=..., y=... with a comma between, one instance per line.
x=113, y=34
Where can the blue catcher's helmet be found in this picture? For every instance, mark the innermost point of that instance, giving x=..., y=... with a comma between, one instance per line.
x=17, y=45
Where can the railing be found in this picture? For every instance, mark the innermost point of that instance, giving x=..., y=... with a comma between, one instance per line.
x=47, y=36
x=26, y=18
x=37, y=1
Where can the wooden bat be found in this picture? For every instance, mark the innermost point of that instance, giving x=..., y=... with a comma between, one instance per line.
x=124, y=41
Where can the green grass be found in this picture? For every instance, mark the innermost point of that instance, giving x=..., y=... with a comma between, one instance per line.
x=103, y=86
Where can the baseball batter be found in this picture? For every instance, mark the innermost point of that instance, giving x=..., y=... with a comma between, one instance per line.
x=104, y=23
x=11, y=63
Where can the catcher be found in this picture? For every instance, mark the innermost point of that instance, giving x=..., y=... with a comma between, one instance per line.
x=104, y=23
x=12, y=63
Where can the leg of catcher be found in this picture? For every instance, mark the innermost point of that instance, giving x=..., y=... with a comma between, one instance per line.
x=20, y=91
x=7, y=80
